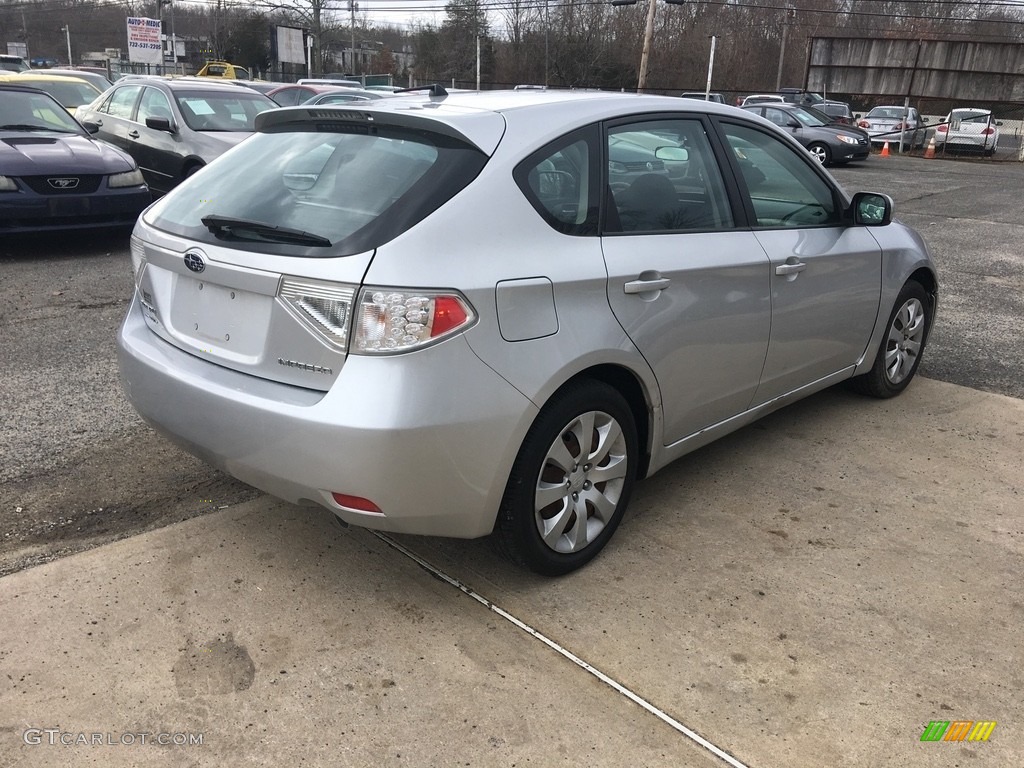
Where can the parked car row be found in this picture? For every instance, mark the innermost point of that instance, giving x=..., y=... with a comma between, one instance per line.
x=829, y=142
x=173, y=126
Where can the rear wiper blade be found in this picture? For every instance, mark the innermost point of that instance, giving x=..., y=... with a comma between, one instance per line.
x=223, y=226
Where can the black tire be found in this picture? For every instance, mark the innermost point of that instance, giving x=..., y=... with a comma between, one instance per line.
x=821, y=152
x=899, y=354
x=571, y=542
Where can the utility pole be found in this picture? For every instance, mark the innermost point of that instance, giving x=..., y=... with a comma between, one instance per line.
x=790, y=14
x=648, y=37
x=711, y=67
x=352, y=8
x=67, y=35
x=546, y=24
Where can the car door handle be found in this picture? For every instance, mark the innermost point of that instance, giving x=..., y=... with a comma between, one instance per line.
x=646, y=286
x=133, y=134
x=790, y=269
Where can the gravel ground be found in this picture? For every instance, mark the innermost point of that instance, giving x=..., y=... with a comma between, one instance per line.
x=79, y=466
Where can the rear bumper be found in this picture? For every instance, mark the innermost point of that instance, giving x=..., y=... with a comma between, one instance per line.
x=429, y=437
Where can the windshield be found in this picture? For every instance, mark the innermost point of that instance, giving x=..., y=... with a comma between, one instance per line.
x=221, y=110
x=344, y=190
x=24, y=111
x=809, y=118
x=69, y=93
x=970, y=115
x=887, y=113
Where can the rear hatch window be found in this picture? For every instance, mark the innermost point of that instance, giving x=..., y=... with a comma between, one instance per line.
x=325, y=190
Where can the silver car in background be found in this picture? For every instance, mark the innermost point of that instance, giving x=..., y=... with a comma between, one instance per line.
x=440, y=314
x=900, y=126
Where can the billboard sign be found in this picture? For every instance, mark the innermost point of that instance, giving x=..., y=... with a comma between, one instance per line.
x=144, y=44
x=290, y=46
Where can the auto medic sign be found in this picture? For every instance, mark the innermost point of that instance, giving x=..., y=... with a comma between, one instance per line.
x=144, y=46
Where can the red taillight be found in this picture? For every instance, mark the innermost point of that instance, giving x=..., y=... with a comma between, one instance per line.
x=864, y=124
x=988, y=131
x=400, y=320
x=356, y=502
x=448, y=314
x=942, y=128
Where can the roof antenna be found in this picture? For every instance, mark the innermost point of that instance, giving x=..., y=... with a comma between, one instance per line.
x=435, y=89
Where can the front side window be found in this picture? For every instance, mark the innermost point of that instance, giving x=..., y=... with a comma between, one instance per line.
x=663, y=176
x=785, y=190
x=154, y=104
x=327, y=192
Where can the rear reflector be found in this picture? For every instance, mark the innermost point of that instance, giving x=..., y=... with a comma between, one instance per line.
x=356, y=502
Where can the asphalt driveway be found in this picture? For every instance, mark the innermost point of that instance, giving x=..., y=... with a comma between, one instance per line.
x=810, y=591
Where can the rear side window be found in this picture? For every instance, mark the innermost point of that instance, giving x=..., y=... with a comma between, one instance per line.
x=663, y=177
x=349, y=188
x=561, y=182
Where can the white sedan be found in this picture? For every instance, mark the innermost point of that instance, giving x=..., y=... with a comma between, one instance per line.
x=969, y=128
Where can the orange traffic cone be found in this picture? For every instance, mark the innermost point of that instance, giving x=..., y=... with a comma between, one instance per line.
x=930, y=152
x=885, y=149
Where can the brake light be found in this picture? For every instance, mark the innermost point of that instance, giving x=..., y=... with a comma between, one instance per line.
x=942, y=128
x=988, y=131
x=390, y=321
x=864, y=124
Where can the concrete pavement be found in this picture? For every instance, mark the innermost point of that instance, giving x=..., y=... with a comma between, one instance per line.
x=811, y=591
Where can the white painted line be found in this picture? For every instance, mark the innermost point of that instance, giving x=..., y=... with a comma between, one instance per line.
x=635, y=698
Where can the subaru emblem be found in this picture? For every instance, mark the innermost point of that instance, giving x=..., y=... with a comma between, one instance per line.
x=194, y=262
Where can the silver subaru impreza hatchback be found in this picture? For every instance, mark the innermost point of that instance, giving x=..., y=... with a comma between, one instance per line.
x=491, y=313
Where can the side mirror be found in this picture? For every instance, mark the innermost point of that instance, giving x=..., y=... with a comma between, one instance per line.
x=793, y=124
x=159, y=124
x=924, y=119
x=999, y=122
x=91, y=127
x=871, y=209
